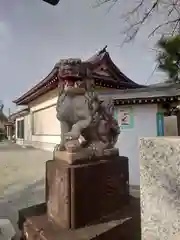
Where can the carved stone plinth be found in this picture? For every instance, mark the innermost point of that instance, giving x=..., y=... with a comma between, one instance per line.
x=78, y=195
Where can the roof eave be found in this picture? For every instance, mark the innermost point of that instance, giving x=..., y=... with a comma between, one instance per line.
x=19, y=113
x=118, y=72
x=103, y=55
x=36, y=87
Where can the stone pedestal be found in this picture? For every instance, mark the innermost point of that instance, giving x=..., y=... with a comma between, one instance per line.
x=160, y=188
x=83, y=201
x=78, y=195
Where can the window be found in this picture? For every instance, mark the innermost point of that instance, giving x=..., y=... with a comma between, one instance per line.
x=20, y=129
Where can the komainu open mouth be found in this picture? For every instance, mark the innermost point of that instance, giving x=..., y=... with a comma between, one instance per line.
x=74, y=84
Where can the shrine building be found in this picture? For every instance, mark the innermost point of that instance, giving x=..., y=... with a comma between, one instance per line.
x=139, y=109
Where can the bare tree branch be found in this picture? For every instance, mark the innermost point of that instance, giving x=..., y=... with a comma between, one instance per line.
x=101, y=2
x=176, y=21
x=134, y=28
x=143, y=10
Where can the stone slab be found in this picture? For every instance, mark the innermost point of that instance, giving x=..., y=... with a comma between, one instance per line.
x=77, y=195
x=82, y=156
x=160, y=187
x=121, y=225
x=71, y=157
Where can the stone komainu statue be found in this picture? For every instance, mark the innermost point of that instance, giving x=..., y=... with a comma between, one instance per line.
x=81, y=113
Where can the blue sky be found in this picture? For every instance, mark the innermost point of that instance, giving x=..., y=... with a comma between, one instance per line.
x=35, y=35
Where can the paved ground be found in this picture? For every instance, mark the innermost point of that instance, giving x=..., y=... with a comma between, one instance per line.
x=22, y=172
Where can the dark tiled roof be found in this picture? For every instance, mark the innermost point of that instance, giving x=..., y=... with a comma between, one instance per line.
x=118, y=80
x=19, y=113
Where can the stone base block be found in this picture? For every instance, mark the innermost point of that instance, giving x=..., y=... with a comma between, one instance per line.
x=78, y=195
x=124, y=224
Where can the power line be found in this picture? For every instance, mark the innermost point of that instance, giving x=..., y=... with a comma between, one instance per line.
x=148, y=79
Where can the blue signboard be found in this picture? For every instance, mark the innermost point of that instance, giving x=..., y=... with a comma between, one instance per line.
x=160, y=124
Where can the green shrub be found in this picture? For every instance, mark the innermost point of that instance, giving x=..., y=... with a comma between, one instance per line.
x=2, y=134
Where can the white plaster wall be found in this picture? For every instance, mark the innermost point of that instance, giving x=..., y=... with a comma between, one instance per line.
x=46, y=142
x=128, y=142
x=27, y=128
x=46, y=100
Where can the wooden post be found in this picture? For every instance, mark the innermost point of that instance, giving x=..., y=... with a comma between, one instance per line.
x=178, y=122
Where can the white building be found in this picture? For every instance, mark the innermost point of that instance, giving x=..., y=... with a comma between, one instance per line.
x=139, y=110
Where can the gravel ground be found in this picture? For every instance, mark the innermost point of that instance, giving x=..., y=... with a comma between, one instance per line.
x=22, y=172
